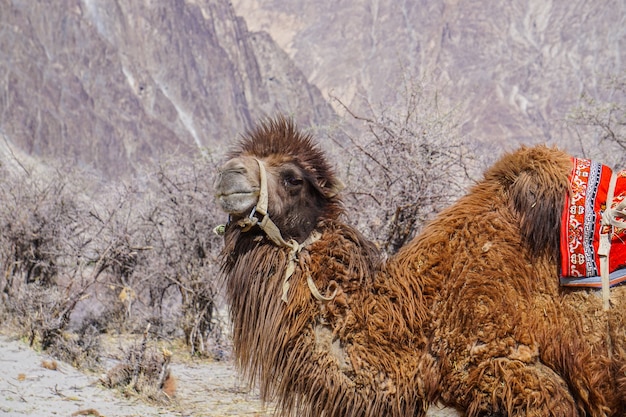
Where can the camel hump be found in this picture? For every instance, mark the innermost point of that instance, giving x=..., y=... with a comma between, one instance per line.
x=536, y=164
x=535, y=181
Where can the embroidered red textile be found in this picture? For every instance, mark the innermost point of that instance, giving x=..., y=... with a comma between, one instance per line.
x=581, y=225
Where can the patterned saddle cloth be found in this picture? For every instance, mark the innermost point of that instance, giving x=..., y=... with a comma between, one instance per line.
x=581, y=226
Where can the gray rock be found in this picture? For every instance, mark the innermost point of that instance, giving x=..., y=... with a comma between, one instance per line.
x=113, y=85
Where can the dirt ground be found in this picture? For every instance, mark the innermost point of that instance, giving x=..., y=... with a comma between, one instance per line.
x=204, y=388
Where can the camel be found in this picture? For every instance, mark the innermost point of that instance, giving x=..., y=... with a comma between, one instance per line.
x=469, y=314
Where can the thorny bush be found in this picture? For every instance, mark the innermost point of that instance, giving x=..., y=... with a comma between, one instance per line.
x=76, y=264
x=599, y=121
x=405, y=163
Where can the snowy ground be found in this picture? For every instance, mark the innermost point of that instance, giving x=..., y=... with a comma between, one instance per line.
x=29, y=388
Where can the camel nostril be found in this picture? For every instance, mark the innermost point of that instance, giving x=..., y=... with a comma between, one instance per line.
x=232, y=170
x=234, y=166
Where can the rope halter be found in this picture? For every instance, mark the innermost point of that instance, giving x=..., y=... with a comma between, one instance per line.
x=611, y=217
x=273, y=233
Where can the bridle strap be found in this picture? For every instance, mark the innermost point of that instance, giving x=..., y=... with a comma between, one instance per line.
x=265, y=223
x=609, y=220
x=273, y=233
x=261, y=205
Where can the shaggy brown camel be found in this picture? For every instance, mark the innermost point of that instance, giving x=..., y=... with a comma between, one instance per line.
x=470, y=313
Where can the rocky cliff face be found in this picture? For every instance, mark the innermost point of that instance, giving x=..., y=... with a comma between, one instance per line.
x=112, y=84
x=512, y=69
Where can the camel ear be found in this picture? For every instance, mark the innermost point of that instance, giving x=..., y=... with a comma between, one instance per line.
x=335, y=188
x=538, y=200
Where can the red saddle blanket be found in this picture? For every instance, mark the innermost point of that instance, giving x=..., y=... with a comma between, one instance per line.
x=581, y=226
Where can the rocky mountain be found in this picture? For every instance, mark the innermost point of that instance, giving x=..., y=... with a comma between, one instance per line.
x=112, y=84
x=512, y=70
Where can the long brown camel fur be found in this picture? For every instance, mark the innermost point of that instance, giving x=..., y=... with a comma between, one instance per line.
x=469, y=314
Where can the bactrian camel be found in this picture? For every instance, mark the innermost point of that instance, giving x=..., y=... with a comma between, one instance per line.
x=473, y=313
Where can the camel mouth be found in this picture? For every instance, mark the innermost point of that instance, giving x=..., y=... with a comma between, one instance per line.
x=237, y=187
x=237, y=202
x=236, y=194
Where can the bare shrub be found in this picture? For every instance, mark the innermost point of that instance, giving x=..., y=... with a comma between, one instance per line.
x=161, y=255
x=37, y=221
x=180, y=221
x=42, y=315
x=600, y=121
x=135, y=254
x=124, y=246
x=406, y=163
x=144, y=370
x=81, y=348
x=43, y=241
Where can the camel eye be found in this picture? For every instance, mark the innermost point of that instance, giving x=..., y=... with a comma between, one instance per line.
x=293, y=181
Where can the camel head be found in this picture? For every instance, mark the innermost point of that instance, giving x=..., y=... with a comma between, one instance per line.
x=277, y=171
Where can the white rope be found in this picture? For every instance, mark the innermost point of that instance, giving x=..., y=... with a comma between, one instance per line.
x=316, y=293
x=609, y=219
x=616, y=216
x=273, y=233
x=296, y=248
x=261, y=205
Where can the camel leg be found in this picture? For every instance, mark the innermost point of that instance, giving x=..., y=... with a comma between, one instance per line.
x=512, y=388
